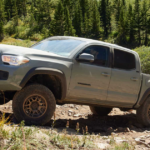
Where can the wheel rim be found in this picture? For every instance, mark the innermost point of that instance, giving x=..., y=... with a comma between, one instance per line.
x=35, y=106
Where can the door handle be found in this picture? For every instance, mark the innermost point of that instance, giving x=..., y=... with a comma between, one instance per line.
x=134, y=79
x=105, y=74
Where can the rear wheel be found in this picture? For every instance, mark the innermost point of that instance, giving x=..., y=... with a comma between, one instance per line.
x=143, y=113
x=35, y=104
x=100, y=111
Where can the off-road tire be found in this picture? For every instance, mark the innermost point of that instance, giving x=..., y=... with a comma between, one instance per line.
x=100, y=111
x=143, y=113
x=20, y=98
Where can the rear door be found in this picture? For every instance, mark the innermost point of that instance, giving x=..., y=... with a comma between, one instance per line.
x=125, y=80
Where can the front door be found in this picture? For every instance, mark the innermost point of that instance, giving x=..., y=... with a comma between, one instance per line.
x=125, y=80
x=90, y=80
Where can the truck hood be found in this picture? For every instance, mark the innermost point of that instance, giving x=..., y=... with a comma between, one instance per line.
x=18, y=50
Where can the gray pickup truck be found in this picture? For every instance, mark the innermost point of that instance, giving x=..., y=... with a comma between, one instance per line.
x=61, y=70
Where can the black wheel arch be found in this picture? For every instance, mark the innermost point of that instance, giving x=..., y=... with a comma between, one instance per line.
x=50, y=71
x=144, y=97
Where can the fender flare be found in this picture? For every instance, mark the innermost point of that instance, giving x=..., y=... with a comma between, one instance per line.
x=51, y=71
x=144, y=97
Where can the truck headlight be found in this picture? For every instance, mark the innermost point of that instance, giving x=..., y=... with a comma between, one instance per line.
x=14, y=60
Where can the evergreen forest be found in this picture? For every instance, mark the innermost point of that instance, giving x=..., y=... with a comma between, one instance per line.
x=123, y=22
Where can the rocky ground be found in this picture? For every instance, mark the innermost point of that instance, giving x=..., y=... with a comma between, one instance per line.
x=117, y=127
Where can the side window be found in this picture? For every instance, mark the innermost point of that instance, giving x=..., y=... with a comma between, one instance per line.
x=124, y=60
x=100, y=53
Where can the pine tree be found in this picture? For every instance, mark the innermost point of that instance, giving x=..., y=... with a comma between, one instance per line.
x=105, y=13
x=130, y=25
x=95, y=21
x=86, y=16
x=1, y=31
x=8, y=9
x=137, y=20
x=78, y=21
x=32, y=21
x=42, y=13
x=69, y=30
x=145, y=22
x=15, y=14
x=2, y=18
x=122, y=28
x=117, y=7
x=2, y=14
x=85, y=26
x=58, y=25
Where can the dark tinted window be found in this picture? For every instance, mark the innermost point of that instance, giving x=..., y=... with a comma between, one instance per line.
x=101, y=55
x=124, y=60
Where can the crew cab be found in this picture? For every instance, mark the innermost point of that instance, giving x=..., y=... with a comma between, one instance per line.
x=62, y=70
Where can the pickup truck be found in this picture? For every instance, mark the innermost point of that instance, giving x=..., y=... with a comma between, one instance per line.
x=62, y=70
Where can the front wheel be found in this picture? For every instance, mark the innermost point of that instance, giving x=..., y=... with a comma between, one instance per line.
x=100, y=111
x=35, y=104
x=143, y=113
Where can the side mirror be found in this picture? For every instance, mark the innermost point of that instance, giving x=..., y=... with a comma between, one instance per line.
x=86, y=57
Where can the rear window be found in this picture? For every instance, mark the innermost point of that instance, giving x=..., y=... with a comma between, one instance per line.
x=124, y=60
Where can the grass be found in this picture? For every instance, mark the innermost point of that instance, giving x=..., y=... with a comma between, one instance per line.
x=124, y=146
x=17, y=42
x=21, y=137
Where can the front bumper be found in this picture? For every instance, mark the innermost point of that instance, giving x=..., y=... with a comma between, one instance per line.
x=11, y=76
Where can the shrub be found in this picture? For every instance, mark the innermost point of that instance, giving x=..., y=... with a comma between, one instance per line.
x=144, y=53
x=36, y=37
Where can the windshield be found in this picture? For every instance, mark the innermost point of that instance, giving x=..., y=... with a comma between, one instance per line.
x=59, y=47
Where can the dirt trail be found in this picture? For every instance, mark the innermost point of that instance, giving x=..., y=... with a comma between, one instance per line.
x=121, y=124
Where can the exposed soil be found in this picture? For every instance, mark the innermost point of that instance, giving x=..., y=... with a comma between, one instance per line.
x=118, y=123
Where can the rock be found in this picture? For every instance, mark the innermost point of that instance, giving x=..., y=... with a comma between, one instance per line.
x=120, y=129
x=69, y=114
x=133, y=131
x=70, y=111
x=71, y=106
x=77, y=108
x=147, y=131
x=113, y=133
x=132, y=127
x=62, y=113
x=127, y=130
x=110, y=129
x=77, y=115
x=102, y=145
x=105, y=137
x=119, y=140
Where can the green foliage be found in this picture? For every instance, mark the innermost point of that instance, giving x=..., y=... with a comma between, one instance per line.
x=105, y=11
x=144, y=53
x=123, y=22
x=124, y=146
x=78, y=19
x=69, y=30
x=1, y=31
x=59, y=18
x=17, y=42
x=95, y=21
